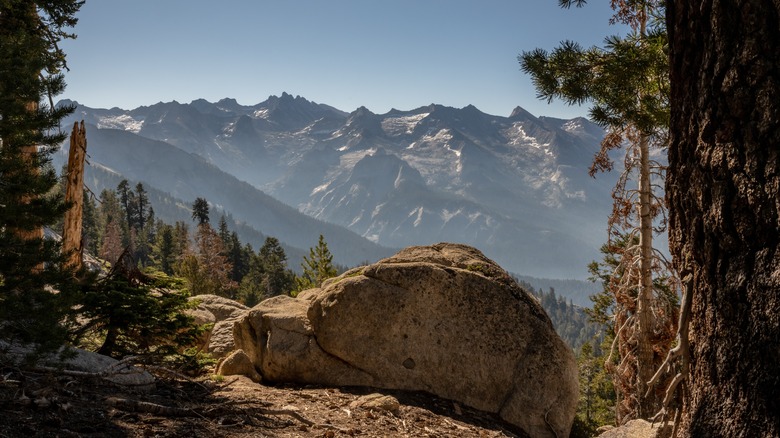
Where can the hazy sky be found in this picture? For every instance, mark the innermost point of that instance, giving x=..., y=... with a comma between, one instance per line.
x=346, y=53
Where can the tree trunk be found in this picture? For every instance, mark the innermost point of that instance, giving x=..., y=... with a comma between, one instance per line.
x=30, y=152
x=648, y=405
x=723, y=187
x=74, y=195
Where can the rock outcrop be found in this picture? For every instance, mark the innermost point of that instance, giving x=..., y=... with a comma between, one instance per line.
x=222, y=313
x=442, y=319
x=639, y=429
x=238, y=363
x=75, y=359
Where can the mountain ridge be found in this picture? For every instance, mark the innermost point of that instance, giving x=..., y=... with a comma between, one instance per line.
x=516, y=187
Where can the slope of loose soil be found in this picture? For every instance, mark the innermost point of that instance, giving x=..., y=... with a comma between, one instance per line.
x=50, y=404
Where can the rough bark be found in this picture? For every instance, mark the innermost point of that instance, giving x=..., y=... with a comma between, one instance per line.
x=724, y=193
x=74, y=195
x=30, y=152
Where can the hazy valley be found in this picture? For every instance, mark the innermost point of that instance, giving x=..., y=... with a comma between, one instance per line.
x=515, y=187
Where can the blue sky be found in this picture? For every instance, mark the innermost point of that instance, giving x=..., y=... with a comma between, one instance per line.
x=399, y=54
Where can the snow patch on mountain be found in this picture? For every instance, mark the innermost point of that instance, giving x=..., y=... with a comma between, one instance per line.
x=395, y=126
x=418, y=212
x=574, y=125
x=124, y=122
x=517, y=137
x=441, y=136
x=446, y=215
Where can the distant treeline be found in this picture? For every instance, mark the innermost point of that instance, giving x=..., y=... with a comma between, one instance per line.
x=570, y=320
x=578, y=291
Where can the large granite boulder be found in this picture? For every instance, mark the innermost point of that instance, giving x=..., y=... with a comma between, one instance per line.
x=442, y=319
x=222, y=313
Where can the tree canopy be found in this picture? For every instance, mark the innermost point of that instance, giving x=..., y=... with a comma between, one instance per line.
x=31, y=66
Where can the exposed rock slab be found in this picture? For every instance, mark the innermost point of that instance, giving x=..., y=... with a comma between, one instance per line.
x=112, y=370
x=639, y=429
x=442, y=319
x=238, y=363
x=222, y=313
x=77, y=359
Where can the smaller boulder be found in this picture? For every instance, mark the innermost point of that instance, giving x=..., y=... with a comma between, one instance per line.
x=221, y=341
x=222, y=312
x=238, y=363
x=203, y=317
x=110, y=369
x=379, y=402
x=84, y=361
x=639, y=429
x=222, y=308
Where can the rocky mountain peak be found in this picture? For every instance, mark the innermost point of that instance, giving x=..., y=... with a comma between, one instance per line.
x=520, y=114
x=508, y=185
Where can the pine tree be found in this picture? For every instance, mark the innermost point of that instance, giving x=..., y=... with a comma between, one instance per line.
x=181, y=239
x=112, y=226
x=597, y=394
x=278, y=280
x=268, y=275
x=224, y=231
x=135, y=314
x=238, y=258
x=163, y=251
x=31, y=65
x=111, y=247
x=90, y=231
x=205, y=267
x=128, y=202
x=627, y=83
x=251, y=290
x=317, y=267
x=200, y=211
x=141, y=206
x=613, y=311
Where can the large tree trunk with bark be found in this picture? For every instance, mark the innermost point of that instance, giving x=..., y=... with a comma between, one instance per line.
x=724, y=192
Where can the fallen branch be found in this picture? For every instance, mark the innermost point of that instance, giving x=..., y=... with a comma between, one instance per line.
x=163, y=370
x=128, y=405
x=89, y=374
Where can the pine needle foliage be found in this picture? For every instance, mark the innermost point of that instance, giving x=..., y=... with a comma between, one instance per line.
x=31, y=65
x=129, y=312
x=317, y=267
x=626, y=82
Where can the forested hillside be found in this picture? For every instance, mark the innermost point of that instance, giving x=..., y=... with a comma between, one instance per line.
x=570, y=320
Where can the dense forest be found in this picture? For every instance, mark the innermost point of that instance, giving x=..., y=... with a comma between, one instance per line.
x=211, y=261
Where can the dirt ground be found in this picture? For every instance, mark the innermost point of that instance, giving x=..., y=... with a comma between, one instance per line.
x=50, y=404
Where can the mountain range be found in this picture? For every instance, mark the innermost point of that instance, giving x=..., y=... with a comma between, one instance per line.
x=515, y=187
